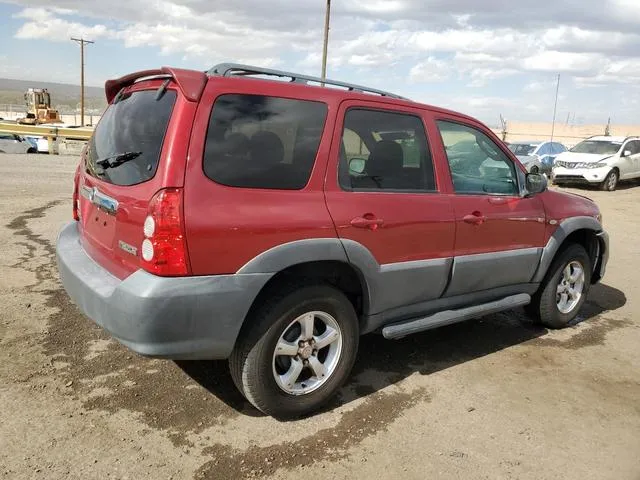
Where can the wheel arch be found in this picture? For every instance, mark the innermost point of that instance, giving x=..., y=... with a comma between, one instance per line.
x=584, y=231
x=319, y=260
x=338, y=274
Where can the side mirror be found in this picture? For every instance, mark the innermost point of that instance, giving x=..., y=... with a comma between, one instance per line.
x=536, y=183
x=356, y=165
x=626, y=153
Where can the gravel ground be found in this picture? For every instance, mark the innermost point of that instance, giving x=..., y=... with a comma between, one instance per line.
x=496, y=398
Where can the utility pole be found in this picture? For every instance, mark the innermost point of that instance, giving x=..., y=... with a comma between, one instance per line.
x=553, y=125
x=326, y=41
x=82, y=43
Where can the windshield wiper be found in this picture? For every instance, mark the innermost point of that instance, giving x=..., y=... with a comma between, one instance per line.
x=117, y=159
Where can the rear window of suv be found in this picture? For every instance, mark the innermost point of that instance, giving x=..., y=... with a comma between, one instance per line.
x=256, y=141
x=136, y=123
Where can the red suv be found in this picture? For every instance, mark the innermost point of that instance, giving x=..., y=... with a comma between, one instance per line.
x=227, y=215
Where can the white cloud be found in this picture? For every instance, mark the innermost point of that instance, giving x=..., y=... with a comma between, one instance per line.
x=554, y=61
x=418, y=42
x=430, y=70
x=43, y=24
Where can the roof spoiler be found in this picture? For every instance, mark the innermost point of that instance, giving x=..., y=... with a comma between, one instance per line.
x=190, y=82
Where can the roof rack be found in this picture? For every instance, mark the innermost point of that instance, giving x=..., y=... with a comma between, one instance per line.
x=237, y=69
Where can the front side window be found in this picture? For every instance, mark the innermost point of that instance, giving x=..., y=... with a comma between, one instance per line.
x=385, y=151
x=597, y=147
x=477, y=164
x=255, y=141
x=633, y=147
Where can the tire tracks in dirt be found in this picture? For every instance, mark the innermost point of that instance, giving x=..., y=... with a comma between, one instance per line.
x=167, y=398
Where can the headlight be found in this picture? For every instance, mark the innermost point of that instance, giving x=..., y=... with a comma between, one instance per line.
x=597, y=165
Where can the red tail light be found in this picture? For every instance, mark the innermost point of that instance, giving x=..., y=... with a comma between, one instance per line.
x=76, y=199
x=164, y=249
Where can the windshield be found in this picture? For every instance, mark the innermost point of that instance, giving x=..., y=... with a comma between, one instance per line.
x=136, y=123
x=522, y=148
x=597, y=147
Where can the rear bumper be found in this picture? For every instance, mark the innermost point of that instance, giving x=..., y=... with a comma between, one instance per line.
x=177, y=318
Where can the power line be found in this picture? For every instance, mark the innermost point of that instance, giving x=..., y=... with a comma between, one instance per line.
x=82, y=43
x=553, y=125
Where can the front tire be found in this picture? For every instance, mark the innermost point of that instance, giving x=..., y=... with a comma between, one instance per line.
x=610, y=182
x=297, y=351
x=564, y=289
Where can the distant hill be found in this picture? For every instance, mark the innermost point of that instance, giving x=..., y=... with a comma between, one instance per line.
x=64, y=96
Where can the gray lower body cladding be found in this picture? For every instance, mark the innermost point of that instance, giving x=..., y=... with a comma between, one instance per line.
x=177, y=318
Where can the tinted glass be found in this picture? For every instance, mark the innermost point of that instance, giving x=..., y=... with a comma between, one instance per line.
x=137, y=123
x=634, y=147
x=385, y=151
x=558, y=148
x=545, y=149
x=254, y=141
x=597, y=147
x=477, y=163
x=522, y=148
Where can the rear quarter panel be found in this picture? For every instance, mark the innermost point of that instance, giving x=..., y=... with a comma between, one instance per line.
x=226, y=227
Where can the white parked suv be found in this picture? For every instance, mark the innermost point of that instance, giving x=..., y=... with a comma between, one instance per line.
x=599, y=161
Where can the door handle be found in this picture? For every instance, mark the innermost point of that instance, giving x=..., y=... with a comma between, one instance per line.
x=476, y=218
x=369, y=221
x=497, y=200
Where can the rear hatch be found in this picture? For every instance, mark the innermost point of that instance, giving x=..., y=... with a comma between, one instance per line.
x=138, y=148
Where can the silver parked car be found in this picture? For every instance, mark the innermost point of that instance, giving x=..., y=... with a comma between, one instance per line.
x=10, y=143
x=537, y=156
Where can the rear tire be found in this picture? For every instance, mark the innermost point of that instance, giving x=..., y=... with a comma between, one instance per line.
x=611, y=181
x=564, y=289
x=275, y=363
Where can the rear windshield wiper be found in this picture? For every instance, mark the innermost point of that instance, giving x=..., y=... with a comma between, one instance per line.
x=117, y=159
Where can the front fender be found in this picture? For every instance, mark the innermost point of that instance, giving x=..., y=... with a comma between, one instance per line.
x=566, y=228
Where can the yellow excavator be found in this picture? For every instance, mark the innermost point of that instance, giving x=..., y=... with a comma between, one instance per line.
x=39, y=109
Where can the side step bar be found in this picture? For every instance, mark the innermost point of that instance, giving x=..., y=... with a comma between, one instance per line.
x=447, y=317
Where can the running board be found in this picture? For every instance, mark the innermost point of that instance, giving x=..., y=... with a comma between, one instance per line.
x=447, y=317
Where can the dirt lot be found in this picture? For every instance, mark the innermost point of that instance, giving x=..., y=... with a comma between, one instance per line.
x=497, y=398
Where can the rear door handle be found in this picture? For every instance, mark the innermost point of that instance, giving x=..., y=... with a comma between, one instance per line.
x=369, y=221
x=476, y=218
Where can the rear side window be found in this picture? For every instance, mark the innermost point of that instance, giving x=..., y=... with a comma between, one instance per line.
x=256, y=141
x=136, y=124
x=384, y=150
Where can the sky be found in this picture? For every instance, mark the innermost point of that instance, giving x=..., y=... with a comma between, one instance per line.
x=485, y=58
